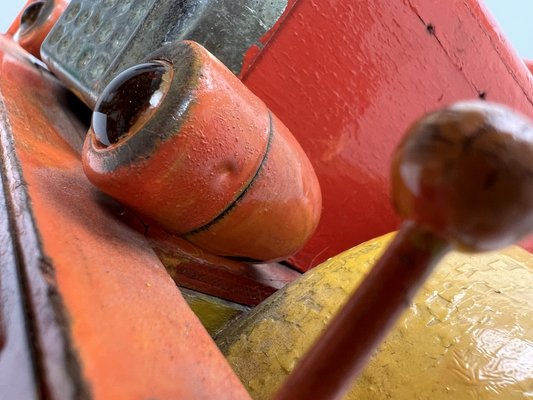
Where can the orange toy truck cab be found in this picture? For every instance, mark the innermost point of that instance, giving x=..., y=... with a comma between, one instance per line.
x=154, y=199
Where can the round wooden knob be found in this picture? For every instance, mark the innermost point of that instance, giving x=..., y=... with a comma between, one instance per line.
x=466, y=173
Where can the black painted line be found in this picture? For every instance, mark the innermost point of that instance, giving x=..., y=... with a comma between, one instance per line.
x=245, y=190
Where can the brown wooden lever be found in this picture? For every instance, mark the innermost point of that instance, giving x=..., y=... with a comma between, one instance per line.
x=462, y=178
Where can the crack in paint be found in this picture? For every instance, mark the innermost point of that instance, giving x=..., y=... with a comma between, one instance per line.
x=433, y=33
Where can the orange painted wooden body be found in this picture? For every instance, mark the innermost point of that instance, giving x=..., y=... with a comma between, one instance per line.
x=212, y=164
x=109, y=323
x=30, y=39
x=348, y=77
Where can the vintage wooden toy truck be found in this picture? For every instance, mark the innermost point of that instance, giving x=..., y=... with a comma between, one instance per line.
x=153, y=199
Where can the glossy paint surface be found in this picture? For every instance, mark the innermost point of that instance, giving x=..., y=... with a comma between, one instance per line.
x=467, y=335
x=347, y=78
x=120, y=328
x=212, y=164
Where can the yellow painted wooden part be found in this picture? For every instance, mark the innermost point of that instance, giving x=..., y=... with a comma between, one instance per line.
x=468, y=334
x=213, y=313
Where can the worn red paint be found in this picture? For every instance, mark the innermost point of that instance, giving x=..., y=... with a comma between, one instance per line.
x=347, y=78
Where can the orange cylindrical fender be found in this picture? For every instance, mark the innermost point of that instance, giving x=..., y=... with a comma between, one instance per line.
x=182, y=141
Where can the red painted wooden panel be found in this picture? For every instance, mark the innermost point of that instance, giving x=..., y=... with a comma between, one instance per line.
x=348, y=77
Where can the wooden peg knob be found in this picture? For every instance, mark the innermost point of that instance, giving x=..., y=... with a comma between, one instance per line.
x=466, y=173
